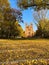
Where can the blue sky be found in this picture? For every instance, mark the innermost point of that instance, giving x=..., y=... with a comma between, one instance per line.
x=27, y=15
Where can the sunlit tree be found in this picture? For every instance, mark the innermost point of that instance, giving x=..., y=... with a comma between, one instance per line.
x=42, y=23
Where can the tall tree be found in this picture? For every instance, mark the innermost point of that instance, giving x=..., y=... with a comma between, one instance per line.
x=42, y=23
x=43, y=28
x=8, y=17
x=40, y=15
x=3, y=4
x=8, y=24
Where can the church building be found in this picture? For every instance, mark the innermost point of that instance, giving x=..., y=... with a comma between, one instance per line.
x=29, y=30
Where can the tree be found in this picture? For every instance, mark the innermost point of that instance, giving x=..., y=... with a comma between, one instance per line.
x=41, y=22
x=3, y=4
x=43, y=29
x=40, y=15
x=36, y=4
x=11, y=14
x=8, y=25
x=19, y=29
x=8, y=18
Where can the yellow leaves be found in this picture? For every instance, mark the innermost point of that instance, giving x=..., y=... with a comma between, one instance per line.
x=38, y=1
x=24, y=4
x=15, y=55
x=32, y=61
x=4, y=3
x=43, y=23
x=18, y=26
x=2, y=63
x=1, y=16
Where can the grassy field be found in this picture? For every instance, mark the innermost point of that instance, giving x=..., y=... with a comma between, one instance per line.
x=20, y=51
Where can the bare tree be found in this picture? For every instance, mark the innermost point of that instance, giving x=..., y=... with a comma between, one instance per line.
x=40, y=15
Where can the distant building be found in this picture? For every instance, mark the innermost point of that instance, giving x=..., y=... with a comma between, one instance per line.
x=29, y=30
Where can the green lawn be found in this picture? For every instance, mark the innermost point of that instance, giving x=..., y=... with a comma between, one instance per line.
x=15, y=50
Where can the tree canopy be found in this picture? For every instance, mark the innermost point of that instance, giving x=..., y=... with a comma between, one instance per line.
x=4, y=4
x=43, y=28
x=8, y=17
x=11, y=14
x=36, y=4
x=42, y=23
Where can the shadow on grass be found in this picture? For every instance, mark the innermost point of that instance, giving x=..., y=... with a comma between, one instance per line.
x=33, y=38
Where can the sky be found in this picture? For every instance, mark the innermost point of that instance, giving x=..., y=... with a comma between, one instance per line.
x=27, y=15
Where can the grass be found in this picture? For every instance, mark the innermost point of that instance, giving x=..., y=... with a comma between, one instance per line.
x=15, y=50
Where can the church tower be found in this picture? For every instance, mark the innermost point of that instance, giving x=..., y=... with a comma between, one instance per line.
x=29, y=30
